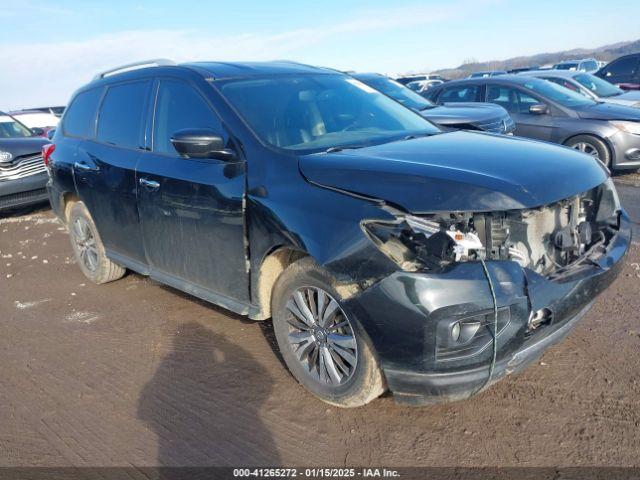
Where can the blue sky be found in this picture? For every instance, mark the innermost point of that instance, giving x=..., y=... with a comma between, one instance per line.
x=49, y=48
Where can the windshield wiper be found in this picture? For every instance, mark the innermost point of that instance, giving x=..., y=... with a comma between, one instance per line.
x=340, y=148
x=417, y=135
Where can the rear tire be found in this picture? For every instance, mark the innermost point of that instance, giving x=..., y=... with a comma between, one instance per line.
x=591, y=146
x=325, y=347
x=89, y=249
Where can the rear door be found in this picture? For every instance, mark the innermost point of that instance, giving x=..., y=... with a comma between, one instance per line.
x=517, y=102
x=191, y=210
x=104, y=170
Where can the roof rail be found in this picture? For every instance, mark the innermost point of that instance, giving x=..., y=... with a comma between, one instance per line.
x=158, y=62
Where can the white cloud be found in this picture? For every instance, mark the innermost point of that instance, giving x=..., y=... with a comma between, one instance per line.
x=39, y=74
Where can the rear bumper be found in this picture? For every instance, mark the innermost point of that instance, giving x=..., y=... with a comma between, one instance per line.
x=402, y=314
x=24, y=191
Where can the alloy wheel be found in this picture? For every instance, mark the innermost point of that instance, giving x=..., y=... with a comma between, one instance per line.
x=321, y=336
x=587, y=148
x=85, y=244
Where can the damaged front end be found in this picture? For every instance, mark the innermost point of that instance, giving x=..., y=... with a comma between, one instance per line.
x=552, y=240
x=547, y=265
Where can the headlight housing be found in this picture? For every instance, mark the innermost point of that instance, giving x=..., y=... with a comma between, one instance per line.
x=625, y=126
x=434, y=242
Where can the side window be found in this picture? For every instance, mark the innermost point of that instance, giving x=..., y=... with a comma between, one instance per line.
x=79, y=119
x=511, y=99
x=590, y=65
x=179, y=106
x=525, y=101
x=122, y=114
x=461, y=93
x=624, y=66
x=503, y=96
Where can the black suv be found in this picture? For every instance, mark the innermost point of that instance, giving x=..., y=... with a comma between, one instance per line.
x=388, y=253
x=623, y=71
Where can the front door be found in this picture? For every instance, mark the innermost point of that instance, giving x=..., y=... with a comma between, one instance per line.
x=191, y=210
x=517, y=102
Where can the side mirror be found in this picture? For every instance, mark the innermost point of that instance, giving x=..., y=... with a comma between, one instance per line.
x=51, y=133
x=538, y=109
x=37, y=131
x=201, y=143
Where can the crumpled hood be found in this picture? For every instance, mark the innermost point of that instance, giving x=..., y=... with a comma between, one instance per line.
x=22, y=146
x=456, y=113
x=458, y=171
x=609, y=111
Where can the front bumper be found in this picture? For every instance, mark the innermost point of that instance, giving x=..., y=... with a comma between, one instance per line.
x=402, y=312
x=626, y=151
x=24, y=191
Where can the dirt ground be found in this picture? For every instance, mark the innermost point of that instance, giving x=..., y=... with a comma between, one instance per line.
x=135, y=373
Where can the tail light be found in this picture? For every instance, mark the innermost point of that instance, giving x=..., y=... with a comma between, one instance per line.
x=47, y=150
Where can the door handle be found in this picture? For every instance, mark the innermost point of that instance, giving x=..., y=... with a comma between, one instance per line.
x=150, y=184
x=83, y=166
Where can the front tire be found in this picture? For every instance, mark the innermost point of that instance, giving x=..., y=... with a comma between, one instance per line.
x=88, y=248
x=591, y=146
x=324, y=346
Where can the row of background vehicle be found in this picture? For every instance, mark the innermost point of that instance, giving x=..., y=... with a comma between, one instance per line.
x=544, y=120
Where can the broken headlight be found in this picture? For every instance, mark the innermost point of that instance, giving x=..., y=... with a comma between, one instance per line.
x=434, y=242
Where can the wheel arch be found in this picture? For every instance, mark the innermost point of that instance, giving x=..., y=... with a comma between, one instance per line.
x=594, y=135
x=67, y=201
x=274, y=262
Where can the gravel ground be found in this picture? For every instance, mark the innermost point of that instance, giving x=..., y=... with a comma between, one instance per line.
x=135, y=373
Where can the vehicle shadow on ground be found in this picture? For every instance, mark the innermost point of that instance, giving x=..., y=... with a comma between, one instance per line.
x=203, y=403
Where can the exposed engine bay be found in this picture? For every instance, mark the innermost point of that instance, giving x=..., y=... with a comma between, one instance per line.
x=548, y=240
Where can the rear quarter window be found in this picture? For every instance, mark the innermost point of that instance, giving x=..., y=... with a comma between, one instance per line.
x=122, y=113
x=79, y=120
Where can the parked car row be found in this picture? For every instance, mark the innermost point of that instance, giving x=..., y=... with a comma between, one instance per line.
x=468, y=116
x=391, y=253
x=543, y=110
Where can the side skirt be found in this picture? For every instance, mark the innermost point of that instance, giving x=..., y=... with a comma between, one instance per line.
x=205, y=294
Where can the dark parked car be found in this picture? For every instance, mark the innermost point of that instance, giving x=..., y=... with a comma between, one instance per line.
x=23, y=174
x=523, y=69
x=546, y=111
x=623, y=72
x=488, y=73
x=590, y=86
x=388, y=253
x=468, y=116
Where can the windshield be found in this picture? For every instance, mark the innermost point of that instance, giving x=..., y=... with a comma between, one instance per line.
x=399, y=92
x=563, y=96
x=310, y=113
x=600, y=87
x=9, y=128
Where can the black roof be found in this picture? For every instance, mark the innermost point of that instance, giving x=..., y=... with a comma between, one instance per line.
x=220, y=70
